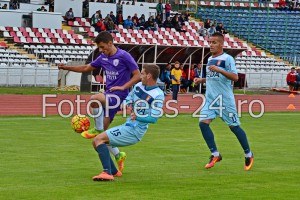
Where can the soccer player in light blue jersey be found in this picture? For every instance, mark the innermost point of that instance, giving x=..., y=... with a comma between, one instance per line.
x=121, y=74
x=220, y=72
x=146, y=102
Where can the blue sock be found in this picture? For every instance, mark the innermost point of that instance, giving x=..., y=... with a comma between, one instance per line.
x=114, y=170
x=241, y=136
x=104, y=157
x=208, y=137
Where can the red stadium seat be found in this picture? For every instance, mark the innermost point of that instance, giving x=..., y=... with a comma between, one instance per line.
x=54, y=40
x=29, y=40
x=38, y=34
x=34, y=30
x=9, y=29
x=12, y=34
x=17, y=40
x=78, y=41
x=66, y=41
x=42, y=40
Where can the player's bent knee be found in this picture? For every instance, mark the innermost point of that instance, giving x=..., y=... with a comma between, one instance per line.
x=100, y=139
x=97, y=100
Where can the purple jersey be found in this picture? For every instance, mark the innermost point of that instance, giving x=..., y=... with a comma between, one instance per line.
x=118, y=69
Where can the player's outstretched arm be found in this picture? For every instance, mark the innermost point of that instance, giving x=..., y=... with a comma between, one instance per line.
x=80, y=68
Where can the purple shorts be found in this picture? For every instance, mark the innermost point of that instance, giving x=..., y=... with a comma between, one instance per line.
x=113, y=103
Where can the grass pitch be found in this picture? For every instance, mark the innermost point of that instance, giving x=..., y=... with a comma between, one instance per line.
x=44, y=159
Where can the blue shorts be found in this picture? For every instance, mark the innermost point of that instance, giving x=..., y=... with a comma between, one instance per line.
x=228, y=114
x=124, y=135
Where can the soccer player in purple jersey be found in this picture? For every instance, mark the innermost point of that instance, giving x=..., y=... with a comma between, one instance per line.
x=121, y=73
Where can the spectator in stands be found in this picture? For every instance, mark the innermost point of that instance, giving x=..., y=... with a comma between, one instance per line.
x=110, y=25
x=120, y=20
x=51, y=5
x=113, y=17
x=183, y=79
x=211, y=30
x=215, y=23
x=159, y=8
x=95, y=19
x=142, y=21
x=119, y=7
x=135, y=24
x=176, y=24
x=202, y=31
x=100, y=26
x=128, y=24
x=168, y=23
x=220, y=28
x=181, y=20
x=158, y=20
x=85, y=8
x=282, y=5
x=4, y=6
x=69, y=16
x=165, y=77
x=191, y=75
x=291, y=79
x=135, y=17
x=186, y=16
x=207, y=24
x=42, y=9
x=176, y=77
x=168, y=9
x=151, y=24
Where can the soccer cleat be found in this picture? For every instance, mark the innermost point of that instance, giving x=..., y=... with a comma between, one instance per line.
x=103, y=177
x=91, y=133
x=248, y=163
x=120, y=160
x=213, y=160
x=118, y=174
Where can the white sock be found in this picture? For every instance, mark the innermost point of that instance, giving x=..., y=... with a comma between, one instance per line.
x=215, y=154
x=98, y=120
x=248, y=155
x=114, y=150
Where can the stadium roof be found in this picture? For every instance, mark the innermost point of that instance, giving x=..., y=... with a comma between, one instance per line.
x=162, y=55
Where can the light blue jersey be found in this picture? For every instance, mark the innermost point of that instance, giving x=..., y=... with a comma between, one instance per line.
x=219, y=91
x=147, y=103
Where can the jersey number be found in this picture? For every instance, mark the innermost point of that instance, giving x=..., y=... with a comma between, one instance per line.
x=116, y=132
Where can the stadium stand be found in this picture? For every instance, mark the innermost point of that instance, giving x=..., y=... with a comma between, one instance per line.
x=271, y=29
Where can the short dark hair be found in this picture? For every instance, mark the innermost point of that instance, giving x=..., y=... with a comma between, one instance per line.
x=152, y=69
x=104, y=36
x=218, y=35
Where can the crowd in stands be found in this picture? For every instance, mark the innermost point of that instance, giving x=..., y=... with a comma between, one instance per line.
x=105, y=23
x=210, y=28
x=180, y=78
x=293, y=79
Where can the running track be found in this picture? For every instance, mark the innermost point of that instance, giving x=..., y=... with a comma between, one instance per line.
x=16, y=105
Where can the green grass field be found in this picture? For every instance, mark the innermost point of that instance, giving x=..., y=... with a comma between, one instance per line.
x=44, y=159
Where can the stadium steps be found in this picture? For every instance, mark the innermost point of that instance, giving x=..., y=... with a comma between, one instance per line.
x=24, y=52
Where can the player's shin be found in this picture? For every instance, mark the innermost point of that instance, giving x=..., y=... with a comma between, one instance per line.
x=241, y=136
x=99, y=114
x=209, y=138
x=104, y=157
